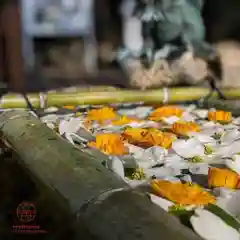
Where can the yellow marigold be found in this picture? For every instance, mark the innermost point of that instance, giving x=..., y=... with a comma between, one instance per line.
x=87, y=124
x=101, y=115
x=109, y=143
x=124, y=120
x=218, y=177
x=182, y=193
x=238, y=183
x=220, y=116
x=69, y=107
x=165, y=111
x=183, y=128
x=148, y=137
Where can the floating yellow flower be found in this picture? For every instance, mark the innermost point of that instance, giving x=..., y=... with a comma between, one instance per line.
x=124, y=120
x=148, y=137
x=87, y=124
x=182, y=193
x=183, y=128
x=101, y=115
x=165, y=111
x=220, y=116
x=218, y=177
x=70, y=107
x=109, y=143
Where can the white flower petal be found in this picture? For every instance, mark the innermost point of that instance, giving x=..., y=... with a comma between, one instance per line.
x=230, y=136
x=188, y=148
x=199, y=168
x=161, y=202
x=227, y=150
x=69, y=138
x=140, y=112
x=62, y=127
x=147, y=158
x=211, y=227
x=230, y=203
x=50, y=118
x=201, y=113
x=234, y=164
x=236, y=121
x=170, y=120
x=51, y=109
x=203, y=138
x=188, y=117
x=222, y=192
x=50, y=125
x=162, y=172
x=71, y=126
x=116, y=165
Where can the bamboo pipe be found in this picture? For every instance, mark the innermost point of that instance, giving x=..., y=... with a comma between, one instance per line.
x=173, y=95
x=102, y=205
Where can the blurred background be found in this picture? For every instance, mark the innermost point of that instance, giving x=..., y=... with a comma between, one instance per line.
x=70, y=41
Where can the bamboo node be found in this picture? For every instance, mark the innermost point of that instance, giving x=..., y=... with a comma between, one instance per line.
x=42, y=100
x=165, y=95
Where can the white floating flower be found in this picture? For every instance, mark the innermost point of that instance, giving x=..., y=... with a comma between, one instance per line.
x=161, y=202
x=234, y=163
x=116, y=165
x=162, y=172
x=188, y=148
x=66, y=127
x=147, y=158
x=211, y=129
x=236, y=121
x=71, y=126
x=179, y=163
x=170, y=120
x=210, y=227
x=198, y=168
x=229, y=136
x=50, y=118
x=227, y=151
x=139, y=112
x=201, y=113
x=188, y=117
x=202, y=138
x=229, y=201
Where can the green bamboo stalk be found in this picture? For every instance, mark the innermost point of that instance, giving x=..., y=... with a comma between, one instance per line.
x=117, y=96
x=76, y=181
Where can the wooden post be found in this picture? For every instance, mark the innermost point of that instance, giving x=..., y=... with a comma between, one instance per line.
x=103, y=206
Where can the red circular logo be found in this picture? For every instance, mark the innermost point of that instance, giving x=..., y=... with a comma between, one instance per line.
x=26, y=212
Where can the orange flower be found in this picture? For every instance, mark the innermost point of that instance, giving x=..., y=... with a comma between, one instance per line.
x=220, y=116
x=87, y=124
x=238, y=183
x=165, y=111
x=218, y=177
x=183, y=128
x=182, y=193
x=109, y=143
x=148, y=137
x=69, y=107
x=124, y=120
x=101, y=115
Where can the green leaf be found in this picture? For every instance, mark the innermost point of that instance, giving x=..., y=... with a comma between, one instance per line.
x=183, y=215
